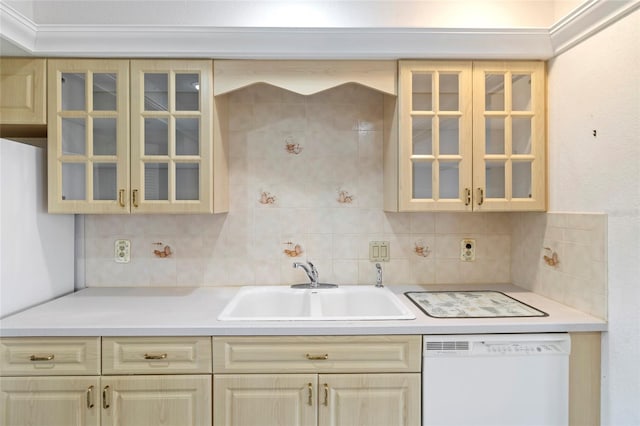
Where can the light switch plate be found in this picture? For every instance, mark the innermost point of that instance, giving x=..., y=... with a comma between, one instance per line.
x=122, y=251
x=379, y=251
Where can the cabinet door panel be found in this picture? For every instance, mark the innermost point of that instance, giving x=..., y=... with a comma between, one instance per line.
x=265, y=400
x=172, y=136
x=369, y=399
x=509, y=139
x=23, y=93
x=435, y=134
x=156, y=400
x=88, y=136
x=49, y=401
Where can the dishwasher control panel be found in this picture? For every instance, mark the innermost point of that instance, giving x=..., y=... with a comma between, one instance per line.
x=523, y=348
x=496, y=345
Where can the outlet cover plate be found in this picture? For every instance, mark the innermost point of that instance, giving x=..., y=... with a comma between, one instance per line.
x=468, y=250
x=122, y=251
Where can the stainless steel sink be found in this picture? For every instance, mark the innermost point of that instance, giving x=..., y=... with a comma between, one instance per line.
x=347, y=303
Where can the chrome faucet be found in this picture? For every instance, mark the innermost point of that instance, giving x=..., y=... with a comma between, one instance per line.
x=311, y=271
x=378, y=275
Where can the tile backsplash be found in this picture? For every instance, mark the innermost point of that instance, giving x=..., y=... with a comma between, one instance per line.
x=305, y=183
x=579, y=279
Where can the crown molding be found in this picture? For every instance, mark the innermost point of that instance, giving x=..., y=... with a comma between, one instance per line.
x=311, y=43
x=586, y=20
x=293, y=43
x=17, y=28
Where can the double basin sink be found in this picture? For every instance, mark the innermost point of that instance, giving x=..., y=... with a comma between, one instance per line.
x=345, y=303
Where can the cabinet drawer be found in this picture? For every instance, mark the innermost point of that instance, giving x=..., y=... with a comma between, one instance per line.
x=322, y=354
x=31, y=356
x=156, y=355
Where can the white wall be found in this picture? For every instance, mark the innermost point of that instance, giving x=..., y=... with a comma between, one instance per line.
x=596, y=86
x=308, y=13
x=36, y=248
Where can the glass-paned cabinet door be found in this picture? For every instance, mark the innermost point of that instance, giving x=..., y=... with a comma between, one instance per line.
x=509, y=136
x=435, y=136
x=88, y=136
x=171, y=127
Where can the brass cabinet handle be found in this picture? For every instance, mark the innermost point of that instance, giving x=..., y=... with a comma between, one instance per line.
x=121, y=198
x=326, y=395
x=105, y=402
x=317, y=357
x=152, y=356
x=480, y=196
x=134, y=197
x=467, y=200
x=42, y=358
x=310, y=389
x=90, y=397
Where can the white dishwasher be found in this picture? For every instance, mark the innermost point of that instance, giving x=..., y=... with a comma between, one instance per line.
x=496, y=380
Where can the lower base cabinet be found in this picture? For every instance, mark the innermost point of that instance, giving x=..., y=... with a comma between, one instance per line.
x=257, y=381
x=106, y=401
x=317, y=399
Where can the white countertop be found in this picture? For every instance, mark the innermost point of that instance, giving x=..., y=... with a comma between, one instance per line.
x=193, y=312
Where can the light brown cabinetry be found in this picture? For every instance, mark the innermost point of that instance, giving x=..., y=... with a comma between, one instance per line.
x=470, y=137
x=49, y=382
x=88, y=136
x=303, y=380
x=156, y=380
x=156, y=355
x=23, y=91
x=50, y=401
x=131, y=136
x=57, y=382
x=156, y=400
x=584, y=379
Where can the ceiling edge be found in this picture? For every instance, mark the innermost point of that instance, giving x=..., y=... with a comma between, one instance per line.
x=311, y=43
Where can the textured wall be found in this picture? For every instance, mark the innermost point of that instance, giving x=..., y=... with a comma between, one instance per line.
x=595, y=86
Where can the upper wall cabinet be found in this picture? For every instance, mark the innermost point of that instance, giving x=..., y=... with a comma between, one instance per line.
x=470, y=137
x=23, y=93
x=130, y=136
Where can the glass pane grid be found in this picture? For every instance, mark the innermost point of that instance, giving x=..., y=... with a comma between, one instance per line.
x=449, y=92
x=105, y=91
x=449, y=180
x=422, y=180
x=73, y=91
x=422, y=91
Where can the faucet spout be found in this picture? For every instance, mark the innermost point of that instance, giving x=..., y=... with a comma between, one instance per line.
x=311, y=271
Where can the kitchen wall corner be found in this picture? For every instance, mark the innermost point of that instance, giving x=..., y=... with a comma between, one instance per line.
x=579, y=279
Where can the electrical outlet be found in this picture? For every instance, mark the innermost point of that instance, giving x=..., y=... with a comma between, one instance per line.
x=122, y=251
x=379, y=251
x=468, y=250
